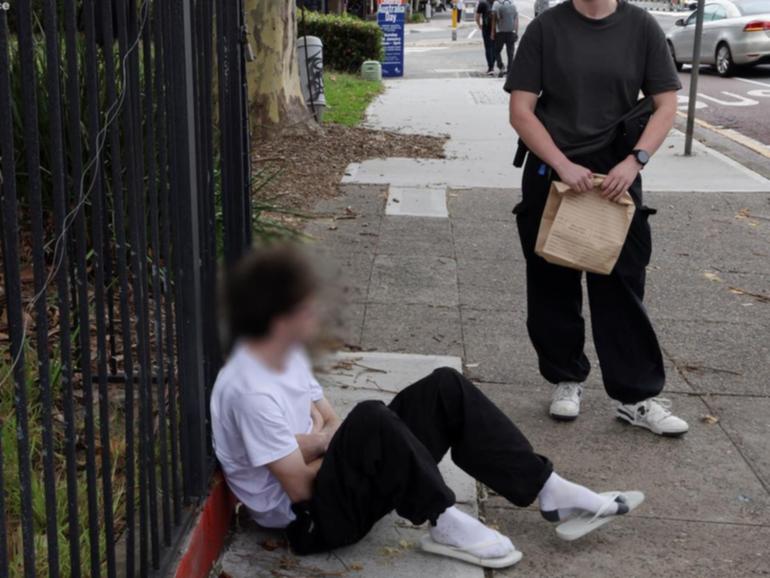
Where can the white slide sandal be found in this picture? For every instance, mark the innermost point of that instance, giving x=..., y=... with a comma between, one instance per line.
x=429, y=545
x=585, y=522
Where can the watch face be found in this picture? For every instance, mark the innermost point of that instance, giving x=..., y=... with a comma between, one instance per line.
x=643, y=157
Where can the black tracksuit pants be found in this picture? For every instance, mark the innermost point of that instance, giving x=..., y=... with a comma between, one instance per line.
x=384, y=457
x=507, y=39
x=628, y=350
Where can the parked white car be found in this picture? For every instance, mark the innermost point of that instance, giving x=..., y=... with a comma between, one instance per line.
x=734, y=34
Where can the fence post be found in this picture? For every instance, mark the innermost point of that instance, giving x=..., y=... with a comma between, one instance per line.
x=188, y=259
x=236, y=194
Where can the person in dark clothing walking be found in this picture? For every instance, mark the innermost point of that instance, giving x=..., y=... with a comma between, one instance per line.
x=484, y=22
x=577, y=74
x=294, y=464
x=505, y=30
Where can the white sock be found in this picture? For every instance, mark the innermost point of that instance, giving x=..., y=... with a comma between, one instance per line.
x=456, y=528
x=565, y=496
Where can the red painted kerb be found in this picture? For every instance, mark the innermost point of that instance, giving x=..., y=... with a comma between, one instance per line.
x=204, y=545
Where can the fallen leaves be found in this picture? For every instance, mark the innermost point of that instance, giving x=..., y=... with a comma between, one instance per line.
x=710, y=419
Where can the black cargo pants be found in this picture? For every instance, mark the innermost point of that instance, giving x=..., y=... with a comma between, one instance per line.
x=385, y=457
x=629, y=355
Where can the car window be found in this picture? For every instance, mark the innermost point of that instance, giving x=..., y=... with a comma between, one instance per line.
x=752, y=7
x=708, y=12
x=719, y=13
x=691, y=19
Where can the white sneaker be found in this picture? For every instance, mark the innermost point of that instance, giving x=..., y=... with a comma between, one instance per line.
x=565, y=405
x=653, y=414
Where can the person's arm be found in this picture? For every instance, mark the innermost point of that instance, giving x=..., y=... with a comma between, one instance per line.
x=331, y=422
x=624, y=173
x=478, y=17
x=325, y=423
x=295, y=476
x=536, y=137
x=516, y=24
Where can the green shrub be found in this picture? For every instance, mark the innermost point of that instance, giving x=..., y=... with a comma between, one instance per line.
x=347, y=41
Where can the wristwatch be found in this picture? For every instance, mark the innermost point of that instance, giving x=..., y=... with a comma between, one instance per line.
x=641, y=156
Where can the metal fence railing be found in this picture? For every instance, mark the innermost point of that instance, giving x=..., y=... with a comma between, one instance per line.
x=124, y=180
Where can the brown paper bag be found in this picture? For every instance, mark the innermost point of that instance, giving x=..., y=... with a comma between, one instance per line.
x=583, y=230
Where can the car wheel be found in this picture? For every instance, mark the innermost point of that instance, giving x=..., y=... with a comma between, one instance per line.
x=679, y=65
x=724, y=60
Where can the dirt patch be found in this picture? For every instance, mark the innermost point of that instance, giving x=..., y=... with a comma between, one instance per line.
x=308, y=164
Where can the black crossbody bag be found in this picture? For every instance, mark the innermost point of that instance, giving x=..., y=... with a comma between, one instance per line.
x=623, y=135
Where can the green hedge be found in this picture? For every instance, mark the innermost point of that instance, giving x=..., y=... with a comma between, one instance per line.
x=347, y=41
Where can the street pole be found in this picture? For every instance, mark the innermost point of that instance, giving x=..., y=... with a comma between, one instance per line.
x=454, y=24
x=694, y=74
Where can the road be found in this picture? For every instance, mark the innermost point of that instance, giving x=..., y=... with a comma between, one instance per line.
x=740, y=104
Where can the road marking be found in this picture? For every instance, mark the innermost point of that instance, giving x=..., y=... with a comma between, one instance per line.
x=449, y=70
x=757, y=82
x=473, y=33
x=734, y=136
x=739, y=100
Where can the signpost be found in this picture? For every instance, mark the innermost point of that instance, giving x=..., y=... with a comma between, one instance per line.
x=391, y=16
x=694, y=80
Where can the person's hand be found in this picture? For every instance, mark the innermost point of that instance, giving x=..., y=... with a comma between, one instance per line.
x=620, y=178
x=576, y=177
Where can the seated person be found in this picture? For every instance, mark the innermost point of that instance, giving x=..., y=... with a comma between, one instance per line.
x=294, y=464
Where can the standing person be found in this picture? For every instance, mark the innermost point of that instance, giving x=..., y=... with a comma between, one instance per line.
x=505, y=30
x=294, y=464
x=459, y=10
x=484, y=22
x=574, y=87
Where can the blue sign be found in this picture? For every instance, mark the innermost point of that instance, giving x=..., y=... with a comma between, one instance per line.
x=391, y=18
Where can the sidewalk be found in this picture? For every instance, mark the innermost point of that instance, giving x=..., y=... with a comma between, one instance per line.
x=432, y=266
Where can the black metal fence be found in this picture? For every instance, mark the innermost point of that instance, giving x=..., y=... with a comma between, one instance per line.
x=124, y=177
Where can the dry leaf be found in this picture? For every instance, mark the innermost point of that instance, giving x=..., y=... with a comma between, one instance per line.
x=709, y=419
x=712, y=276
x=272, y=544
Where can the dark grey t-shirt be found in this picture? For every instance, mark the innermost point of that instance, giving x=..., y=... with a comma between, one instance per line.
x=589, y=73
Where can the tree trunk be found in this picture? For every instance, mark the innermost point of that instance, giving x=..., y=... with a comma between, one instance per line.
x=274, y=90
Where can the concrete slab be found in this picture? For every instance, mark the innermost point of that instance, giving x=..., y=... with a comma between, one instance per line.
x=413, y=328
x=636, y=547
x=414, y=279
x=493, y=285
x=421, y=201
x=391, y=548
x=482, y=205
x=497, y=348
x=492, y=240
x=361, y=199
x=701, y=476
x=747, y=421
x=416, y=236
x=346, y=235
x=719, y=357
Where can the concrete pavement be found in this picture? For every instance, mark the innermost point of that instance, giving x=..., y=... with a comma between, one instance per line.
x=473, y=112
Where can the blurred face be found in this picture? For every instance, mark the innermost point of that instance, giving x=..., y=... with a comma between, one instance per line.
x=300, y=325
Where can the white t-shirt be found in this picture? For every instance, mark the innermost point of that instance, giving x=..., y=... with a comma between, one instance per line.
x=255, y=414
